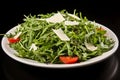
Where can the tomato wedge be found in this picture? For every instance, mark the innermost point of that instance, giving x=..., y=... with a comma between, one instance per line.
x=68, y=59
x=12, y=40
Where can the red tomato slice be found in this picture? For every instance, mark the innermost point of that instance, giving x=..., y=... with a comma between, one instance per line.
x=12, y=40
x=68, y=59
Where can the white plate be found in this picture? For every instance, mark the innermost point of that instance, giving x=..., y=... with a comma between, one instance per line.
x=10, y=52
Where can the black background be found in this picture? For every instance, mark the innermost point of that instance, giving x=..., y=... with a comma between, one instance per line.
x=12, y=12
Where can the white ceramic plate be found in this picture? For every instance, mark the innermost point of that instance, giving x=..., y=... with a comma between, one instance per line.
x=10, y=52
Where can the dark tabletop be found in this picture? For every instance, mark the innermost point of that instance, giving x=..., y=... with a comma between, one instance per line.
x=104, y=13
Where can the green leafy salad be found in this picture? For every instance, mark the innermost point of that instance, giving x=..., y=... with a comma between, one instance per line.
x=59, y=38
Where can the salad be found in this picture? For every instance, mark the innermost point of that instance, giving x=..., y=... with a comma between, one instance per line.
x=59, y=38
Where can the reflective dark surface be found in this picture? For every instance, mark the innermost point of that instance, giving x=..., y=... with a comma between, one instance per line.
x=106, y=70
x=104, y=13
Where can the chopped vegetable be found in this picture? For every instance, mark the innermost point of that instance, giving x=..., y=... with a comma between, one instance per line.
x=59, y=37
x=13, y=40
x=68, y=59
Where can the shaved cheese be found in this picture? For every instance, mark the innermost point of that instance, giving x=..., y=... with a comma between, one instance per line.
x=56, y=18
x=90, y=46
x=74, y=16
x=61, y=34
x=72, y=23
x=103, y=45
x=17, y=35
x=33, y=46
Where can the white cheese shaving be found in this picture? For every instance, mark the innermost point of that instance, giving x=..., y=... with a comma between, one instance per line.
x=33, y=46
x=59, y=32
x=103, y=45
x=90, y=46
x=74, y=16
x=72, y=23
x=56, y=18
x=17, y=35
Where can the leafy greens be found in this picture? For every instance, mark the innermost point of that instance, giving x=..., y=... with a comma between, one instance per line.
x=83, y=34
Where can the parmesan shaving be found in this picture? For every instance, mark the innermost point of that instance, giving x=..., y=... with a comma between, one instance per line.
x=61, y=34
x=56, y=18
x=17, y=35
x=33, y=46
x=90, y=46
